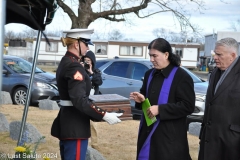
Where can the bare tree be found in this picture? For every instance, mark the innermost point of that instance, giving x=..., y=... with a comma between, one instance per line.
x=55, y=33
x=173, y=37
x=129, y=39
x=99, y=36
x=235, y=26
x=9, y=35
x=117, y=11
x=161, y=33
x=27, y=33
x=115, y=35
x=168, y=35
x=182, y=36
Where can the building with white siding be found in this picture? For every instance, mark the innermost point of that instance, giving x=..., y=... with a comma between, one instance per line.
x=189, y=52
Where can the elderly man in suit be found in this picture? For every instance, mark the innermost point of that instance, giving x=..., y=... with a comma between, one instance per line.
x=220, y=132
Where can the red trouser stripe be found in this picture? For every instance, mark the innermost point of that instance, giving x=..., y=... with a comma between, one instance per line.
x=78, y=152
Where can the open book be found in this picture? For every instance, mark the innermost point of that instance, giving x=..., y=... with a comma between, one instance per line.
x=145, y=105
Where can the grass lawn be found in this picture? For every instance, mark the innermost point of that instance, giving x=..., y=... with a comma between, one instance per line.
x=115, y=142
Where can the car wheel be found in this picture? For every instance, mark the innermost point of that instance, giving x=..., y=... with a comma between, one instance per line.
x=20, y=95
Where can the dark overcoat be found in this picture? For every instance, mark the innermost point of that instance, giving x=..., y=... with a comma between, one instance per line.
x=169, y=141
x=96, y=77
x=220, y=132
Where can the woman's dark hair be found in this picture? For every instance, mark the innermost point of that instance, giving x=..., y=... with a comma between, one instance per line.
x=163, y=46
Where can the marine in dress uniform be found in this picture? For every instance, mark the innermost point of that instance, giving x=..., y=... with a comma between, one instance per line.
x=72, y=124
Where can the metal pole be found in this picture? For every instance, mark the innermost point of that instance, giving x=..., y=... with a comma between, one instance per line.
x=2, y=23
x=35, y=57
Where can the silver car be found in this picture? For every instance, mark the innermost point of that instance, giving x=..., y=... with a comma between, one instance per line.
x=16, y=76
x=122, y=76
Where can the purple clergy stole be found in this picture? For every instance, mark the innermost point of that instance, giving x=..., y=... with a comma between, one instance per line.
x=162, y=99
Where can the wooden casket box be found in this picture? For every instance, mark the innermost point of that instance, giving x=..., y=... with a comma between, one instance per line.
x=113, y=103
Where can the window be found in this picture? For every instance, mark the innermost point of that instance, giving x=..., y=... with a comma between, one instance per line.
x=131, y=51
x=20, y=66
x=195, y=78
x=138, y=71
x=100, y=63
x=101, y=49
x=117, y=69
x=17, y=43
x=4, y=68
x=53, y=47
x=179, y=52
x=124, y=50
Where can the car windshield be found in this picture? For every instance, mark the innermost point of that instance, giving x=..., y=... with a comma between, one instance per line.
x=100, y=63
x=195, y=78
x=20, y=66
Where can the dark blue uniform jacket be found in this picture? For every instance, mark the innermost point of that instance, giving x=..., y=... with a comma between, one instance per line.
x=73, y=122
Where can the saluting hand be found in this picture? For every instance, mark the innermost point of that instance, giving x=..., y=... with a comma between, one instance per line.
x=137, y=97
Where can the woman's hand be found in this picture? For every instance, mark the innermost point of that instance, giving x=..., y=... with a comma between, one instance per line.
x=152, y=111
x=137, y=97
x=90, y=68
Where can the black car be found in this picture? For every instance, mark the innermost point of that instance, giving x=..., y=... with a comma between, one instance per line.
x=122, y=76
x=16, y=78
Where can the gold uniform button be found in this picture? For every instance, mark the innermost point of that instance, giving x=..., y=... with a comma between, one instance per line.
x=102, y=112
x=93, y=106
x=98, y=109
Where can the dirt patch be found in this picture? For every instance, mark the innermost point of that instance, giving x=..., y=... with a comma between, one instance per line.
x=115, y=142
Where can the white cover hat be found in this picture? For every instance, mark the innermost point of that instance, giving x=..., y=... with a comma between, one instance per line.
x=84, y=34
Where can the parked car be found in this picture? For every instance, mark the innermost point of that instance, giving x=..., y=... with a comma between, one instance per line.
x=16, y=78
x=122, y=76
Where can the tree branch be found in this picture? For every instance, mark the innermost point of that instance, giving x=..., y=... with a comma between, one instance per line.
x=137, y=13
x=114, y=19
x=106, y=14
x=115, y=12
x=181, y=16
x=113, y=5
x=66, y=9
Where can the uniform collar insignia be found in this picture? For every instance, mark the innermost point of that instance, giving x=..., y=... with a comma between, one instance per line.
x=77, y=58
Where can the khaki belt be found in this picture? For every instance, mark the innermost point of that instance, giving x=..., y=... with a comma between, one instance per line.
x=65, y=103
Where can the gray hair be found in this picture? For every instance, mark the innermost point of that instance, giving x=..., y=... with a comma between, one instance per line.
x=229, y=42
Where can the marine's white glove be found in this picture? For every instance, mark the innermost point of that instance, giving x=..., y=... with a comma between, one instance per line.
x=112, y=118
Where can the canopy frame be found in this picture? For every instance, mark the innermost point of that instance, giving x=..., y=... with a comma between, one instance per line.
x=35, y=14
x=26, y=106
x=2, y=23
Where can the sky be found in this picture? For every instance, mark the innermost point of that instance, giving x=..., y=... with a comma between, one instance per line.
x=218, y=16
